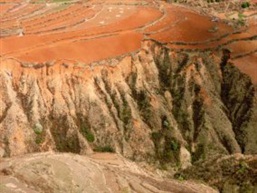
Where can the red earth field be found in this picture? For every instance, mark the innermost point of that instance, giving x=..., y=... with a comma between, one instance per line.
x=89, y=31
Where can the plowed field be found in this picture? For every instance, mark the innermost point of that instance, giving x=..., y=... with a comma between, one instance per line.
x=89, y=31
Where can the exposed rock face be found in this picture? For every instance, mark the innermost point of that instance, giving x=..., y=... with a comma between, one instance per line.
x=154, y=103
x=99, y=173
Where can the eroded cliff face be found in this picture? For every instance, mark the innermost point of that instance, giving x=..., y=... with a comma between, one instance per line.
x=151, y=105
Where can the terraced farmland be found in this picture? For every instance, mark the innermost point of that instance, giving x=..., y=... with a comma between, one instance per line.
x=41, y=32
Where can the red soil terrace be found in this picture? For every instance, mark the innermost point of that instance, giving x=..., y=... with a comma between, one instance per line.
x=99, y=29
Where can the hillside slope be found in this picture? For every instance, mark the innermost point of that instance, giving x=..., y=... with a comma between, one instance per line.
x=154, y=82
x=152, y=103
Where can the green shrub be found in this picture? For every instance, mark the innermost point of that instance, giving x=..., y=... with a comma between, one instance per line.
x=156, y=136
x=179, y=177
x=245, y=4
x=39, y=131
x=87, y=134
x=243, y=167
x=174, y=145
x=38, y=128
x=39, y=139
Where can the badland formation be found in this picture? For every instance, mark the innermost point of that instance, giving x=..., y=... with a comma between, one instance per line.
x=128, y=96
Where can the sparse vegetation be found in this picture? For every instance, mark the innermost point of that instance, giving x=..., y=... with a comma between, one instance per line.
x=238, y=94
x=40, y=135
x=106, y=148
x=166, y=146
x=64, y=142
x=241, y=19
x=165, y=72
x=86, y=132
x=230, y=174
x=38, y=128
x=200, y=153
x=243, y=167
x=144, y=105
x=125, y=112
x=39, y=139
x=245, y=4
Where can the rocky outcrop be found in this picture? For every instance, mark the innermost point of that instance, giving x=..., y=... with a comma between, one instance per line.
x=48, y=172
x=154, y=104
